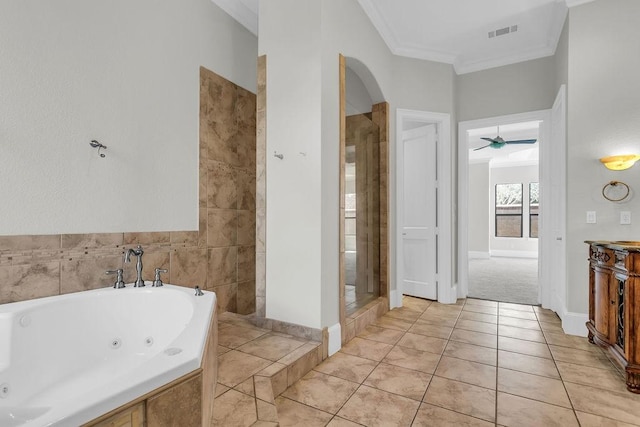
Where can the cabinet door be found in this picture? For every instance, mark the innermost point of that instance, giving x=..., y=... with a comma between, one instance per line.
x=621, y=336
x=603, y=309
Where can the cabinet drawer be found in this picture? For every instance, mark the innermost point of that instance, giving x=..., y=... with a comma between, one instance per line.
x=601, y=256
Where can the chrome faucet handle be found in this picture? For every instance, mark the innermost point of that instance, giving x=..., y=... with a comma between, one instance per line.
x=157, y=282
x=137, y=252
x=199, y=293
x=139, y=283
x=119, y=284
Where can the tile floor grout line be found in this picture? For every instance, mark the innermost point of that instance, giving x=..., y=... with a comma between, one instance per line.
x=309, y=406
x=424, y=395
x=434, y=375
x=435, y=369
x=559, y=374
x=564, y=386
x=448, y=340
x=255, y=398
x=377, y=365
x=413, y=322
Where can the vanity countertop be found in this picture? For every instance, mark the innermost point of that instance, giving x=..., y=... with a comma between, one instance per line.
x=629, y=245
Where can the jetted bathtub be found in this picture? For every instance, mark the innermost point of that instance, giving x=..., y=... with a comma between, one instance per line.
x=68, y=359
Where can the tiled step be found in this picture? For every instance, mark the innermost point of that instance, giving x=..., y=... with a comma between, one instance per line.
x=252, y=402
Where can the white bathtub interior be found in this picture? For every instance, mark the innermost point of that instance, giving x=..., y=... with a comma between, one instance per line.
x=68, y=359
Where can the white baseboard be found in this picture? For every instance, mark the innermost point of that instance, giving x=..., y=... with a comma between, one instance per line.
x=514, y=254
x=574, y=323
x=450, y=297
x=335, y=338
x=459, y=291
x=395, y=299
x=479, y=255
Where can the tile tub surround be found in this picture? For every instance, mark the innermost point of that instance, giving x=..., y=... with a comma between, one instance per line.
x=220, y=256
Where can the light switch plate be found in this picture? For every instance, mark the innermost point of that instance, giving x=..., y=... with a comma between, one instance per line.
x=625, y=217
x=591, y=217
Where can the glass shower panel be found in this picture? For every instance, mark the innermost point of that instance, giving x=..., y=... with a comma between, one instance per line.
x=362, y=212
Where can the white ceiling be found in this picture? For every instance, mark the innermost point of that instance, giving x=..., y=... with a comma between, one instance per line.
x=454, y=31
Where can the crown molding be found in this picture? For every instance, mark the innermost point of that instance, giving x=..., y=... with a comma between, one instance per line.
x=427, y=54
x=463, y=67
x=557, y=26
x=380, y=24
x=573, y=3
x=241, y=13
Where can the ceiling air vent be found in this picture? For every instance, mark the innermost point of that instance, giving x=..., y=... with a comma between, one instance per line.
x=503, y=31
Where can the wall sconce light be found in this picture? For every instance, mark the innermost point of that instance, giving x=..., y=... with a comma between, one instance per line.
x=621, y=162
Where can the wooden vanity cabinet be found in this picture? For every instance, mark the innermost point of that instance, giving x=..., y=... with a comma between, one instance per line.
x=614, y=304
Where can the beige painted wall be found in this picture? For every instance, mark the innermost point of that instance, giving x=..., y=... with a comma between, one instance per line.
x=127, y=74
x=479, y=191
x=517, y=88
x=328, y=28
x=219, y=256
x=603, y=119
x=562, y=56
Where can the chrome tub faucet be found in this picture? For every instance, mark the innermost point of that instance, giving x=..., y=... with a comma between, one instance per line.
x=119, y=283
x=157, y=282
x=139, y=283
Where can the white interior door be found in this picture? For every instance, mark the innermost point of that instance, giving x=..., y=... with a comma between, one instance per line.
x=417, y=198
x=553, y=211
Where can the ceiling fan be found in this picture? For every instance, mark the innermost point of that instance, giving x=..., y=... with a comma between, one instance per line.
x=498, y=142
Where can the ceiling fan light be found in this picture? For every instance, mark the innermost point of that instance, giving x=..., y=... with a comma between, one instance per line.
x=621, y=162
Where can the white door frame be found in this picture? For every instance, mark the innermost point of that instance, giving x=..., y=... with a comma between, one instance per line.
x=447, y=292
x=463, y=191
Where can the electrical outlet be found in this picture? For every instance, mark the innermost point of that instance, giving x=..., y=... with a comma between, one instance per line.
x=625, y=217
x=591, y=217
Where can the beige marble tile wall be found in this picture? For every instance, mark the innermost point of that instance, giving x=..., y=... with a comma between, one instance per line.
x=220, y=256
x=228, y=189
x=39, y=266
x=380, y=116
x=261, y=189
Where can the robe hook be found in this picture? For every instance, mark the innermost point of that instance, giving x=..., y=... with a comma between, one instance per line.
x=99, y=146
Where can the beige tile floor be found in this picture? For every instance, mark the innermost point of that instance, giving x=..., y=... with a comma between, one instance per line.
x=255, y=365
x=477, y=363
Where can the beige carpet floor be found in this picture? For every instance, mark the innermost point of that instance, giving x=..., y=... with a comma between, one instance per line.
x=504, y=279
